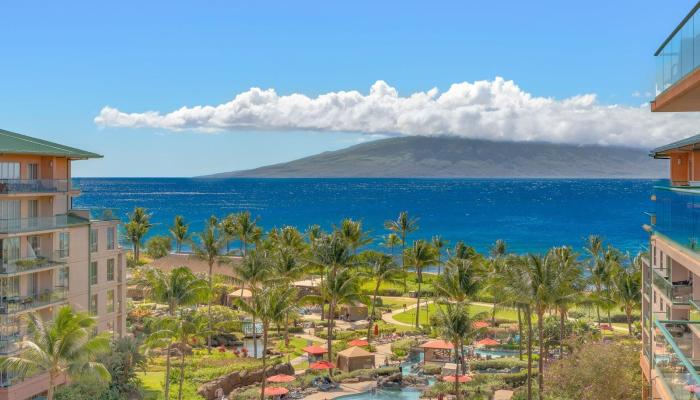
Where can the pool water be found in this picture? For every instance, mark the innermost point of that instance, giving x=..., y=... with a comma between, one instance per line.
x=496, y=353
x=386, y=394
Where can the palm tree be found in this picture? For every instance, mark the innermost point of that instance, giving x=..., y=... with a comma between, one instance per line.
x=439, y=243
x=460, y=282
x=628, y=289
x=186, y=328
x=228, y=229
x=402, y=226
x=209, y=249
x=179, y=287
x=391, y=241
x=179, y=232
x=285, y=269
x=455, y=326
x=250, y=273
x=63, y=345
x=422, y=254
x=495, y=263
x=383, y=269
x=246, y=230
x=596, y=269
x=568, y=286
x=272, y=304
x=351, y=231
x=137, y=228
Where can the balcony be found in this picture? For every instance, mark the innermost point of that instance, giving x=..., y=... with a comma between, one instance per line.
x=677, y=62
x=678, y=216
x=16, y=304
x=678, y=293
x=12, y=267
x=37, y=224
x=675, y=358
x=22, y=186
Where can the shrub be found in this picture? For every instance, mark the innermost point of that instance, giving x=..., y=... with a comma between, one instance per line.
x=401, y=347
x=158, y=246
x=432, y=369
x=498, y=363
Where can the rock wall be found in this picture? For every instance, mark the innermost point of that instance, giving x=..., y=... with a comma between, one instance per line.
x=235, y=380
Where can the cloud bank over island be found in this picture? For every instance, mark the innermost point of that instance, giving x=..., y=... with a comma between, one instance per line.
x=495, y=110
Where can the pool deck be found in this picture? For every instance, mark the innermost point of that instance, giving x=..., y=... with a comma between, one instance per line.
x=344, y=390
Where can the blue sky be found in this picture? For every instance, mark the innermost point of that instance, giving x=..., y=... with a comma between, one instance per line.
x=63, y=62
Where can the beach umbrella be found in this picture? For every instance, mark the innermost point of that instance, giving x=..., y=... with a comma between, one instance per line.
x=461, y=379
x=486, y=342
x=275, y=391
x=358, y=343
x=319, y=365
x=315, y=350
x=481, y=324
x=281, y=378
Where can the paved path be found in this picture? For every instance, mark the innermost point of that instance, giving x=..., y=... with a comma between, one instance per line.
x=344, y=390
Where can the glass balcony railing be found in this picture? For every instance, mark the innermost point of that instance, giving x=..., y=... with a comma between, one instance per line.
x=679, y=55
x=11, y=186
x=23, y=225
x=675, y=358
x=8, y=267
x=15, y=304
x=678, y=215
x=679, y=293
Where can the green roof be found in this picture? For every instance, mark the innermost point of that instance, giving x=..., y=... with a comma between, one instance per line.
x=14, y=143
x=681, y=143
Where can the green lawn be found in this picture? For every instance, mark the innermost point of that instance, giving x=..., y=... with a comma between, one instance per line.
x=409, y=317
x=295, y=346
x=152, y=382
x=395, y=303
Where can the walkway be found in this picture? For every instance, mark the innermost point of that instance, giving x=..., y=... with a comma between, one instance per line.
x=344, y=390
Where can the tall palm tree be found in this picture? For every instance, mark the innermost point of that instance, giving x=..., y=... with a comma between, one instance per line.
x=63, y=345
x=179, y=287
x=628, y=292
x=569, y=284
x=495, y=264
x=246, y=230
x=186, y=328
x=180, y=232
x=137, y=228
x=383, y=269
x=455, y=326
x=422, y=254
x=402, y=226
x=460, y=282
x=228, y=229
x=596, y=269
x=250, y=273
x=286, y=268
x=391, y=241
x=209, y=248
x=439, y=243
x=351, y=231
x=272, y=305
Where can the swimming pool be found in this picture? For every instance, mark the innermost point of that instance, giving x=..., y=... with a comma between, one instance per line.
x=495, y=353
x=386, y=394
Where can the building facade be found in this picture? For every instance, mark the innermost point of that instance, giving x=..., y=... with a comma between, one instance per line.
x=52, y=254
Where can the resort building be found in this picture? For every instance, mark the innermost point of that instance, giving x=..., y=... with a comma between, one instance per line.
x=52, y=254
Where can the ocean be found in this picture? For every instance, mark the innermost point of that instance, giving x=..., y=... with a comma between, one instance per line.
x=531, y=215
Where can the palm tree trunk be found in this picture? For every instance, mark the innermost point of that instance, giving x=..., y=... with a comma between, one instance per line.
x=562, y=318
x=520, y=333
x=628, y=312
x=528, y=318
x=427, y=310
x=49, y=392
x=493, y=313
x=418, y=277
x=458, y=366
x=182, y=373
x=211, y=264
x=255, y=338
x=403, y=259
x=540, y=361
x=136, y=251
x=329, y=339
x=371, y=314
x=264, y=359
x=167, y=372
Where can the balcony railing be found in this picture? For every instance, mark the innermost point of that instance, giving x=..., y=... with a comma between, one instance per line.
x=673, y=359
x=680, y=53
x=31, y=263
x=15, y=304
x=24, y=225
x=678, y=293
x=678, y=215
x=12, y=186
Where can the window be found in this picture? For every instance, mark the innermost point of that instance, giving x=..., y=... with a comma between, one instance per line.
x=10, y=250
x=9, y=170
x=34, y=246
x=93, y=240
x=9, y=209
x=110, y=301
x=32, y=171
x=93, y=273
x=93, y=304
x=111, y=237
x=64, y=244
x=64, y=278
x=110, y=269
x=32, y=208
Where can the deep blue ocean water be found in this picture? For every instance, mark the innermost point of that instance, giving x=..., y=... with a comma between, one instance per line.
x=531, y=215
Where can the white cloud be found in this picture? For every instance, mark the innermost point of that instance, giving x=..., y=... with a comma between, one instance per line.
x=496, y=110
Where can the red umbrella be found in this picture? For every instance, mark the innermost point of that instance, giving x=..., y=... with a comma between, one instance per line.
x=461, y=379
x=315, y=350
x=358, y=343
x=481, y=324
x=275, y=391
x=486, y=342
x=281, y=378
x=322, y=365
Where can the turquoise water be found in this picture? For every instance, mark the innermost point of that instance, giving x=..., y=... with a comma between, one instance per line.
x=382, y=394
x=530, y=214
x=496, y=353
